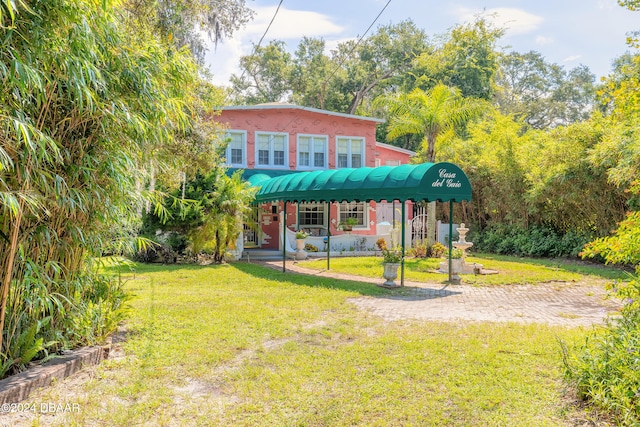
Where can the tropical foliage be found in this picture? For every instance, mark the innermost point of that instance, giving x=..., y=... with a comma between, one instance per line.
x=353, y=75
x=89, y=104
x=605, y=367
x=209, y=219
x=429, y=115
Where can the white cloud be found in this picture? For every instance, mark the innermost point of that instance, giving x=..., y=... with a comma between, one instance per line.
x=572, y=58
x=607, y=4
x=514, y=21
x=288, y=25
x=542, y=40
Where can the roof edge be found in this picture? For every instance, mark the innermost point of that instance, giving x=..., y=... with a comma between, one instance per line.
x=278, y=106
x=394, y=148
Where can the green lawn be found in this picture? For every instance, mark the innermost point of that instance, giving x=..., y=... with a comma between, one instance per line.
x=244, y=345
x=511, y=270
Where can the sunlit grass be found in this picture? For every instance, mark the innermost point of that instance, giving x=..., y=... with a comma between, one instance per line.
x=244, y=345
x=511, y=270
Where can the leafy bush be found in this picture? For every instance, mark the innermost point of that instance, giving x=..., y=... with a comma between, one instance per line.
x=419, y=250
x=97, y=309
x=536, y=241
x=436, y=250
x=310, y=248
x=606, y=369
x=455, y=253
x=208, y=220
x=156, y=253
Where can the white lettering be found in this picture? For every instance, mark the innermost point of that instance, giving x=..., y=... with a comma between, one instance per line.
x=444, y=174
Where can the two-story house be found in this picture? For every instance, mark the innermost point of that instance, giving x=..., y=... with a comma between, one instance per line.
x=276, y=139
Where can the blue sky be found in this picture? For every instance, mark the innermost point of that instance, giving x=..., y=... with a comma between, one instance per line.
x=566, y=32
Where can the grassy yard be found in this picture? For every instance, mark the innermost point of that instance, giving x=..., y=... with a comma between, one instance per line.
x=244, y=345
x=512, y=270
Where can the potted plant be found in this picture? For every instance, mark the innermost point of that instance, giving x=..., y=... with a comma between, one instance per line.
x=348, y=223
x=300, y=237
x=391, y=259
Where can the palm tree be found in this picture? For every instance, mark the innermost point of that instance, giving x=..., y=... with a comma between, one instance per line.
x=224, y=210
x=429, y=114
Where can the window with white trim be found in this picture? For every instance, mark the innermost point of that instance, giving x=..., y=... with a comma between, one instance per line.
x=312, y=152
x=356, y=210
x=271, y=149
x=350, y=152
x=313, y=215
x=236, y=153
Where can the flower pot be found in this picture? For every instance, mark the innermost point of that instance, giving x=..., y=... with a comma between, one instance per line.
x=300, y=252
x=390, y=273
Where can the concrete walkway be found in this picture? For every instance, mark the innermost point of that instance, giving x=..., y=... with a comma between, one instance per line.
x=558, y=303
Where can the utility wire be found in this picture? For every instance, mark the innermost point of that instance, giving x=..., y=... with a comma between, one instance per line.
x=295, y=116
x=337, y=66
x=269, y=26
x=255, y=48
x=355, y=45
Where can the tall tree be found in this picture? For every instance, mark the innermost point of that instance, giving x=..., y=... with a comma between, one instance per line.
x=429, y=114
x=542, y=94
x=265, y=76
x=184, y=22
x=316, y=78
x=381, y=59
x=466, y=58
x=630, y=4
x=342, y=80
x=86, y=102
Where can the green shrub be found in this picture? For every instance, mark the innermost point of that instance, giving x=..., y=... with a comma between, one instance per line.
x=535, y=241
x=606, y=368
x=436, y=250
x=310, y=248
x=419, y=250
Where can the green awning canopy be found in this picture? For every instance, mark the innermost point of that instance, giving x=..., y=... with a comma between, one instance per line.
x=427, y=181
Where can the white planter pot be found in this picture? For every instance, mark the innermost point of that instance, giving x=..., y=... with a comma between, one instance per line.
x=300, y=252
x=390, y=273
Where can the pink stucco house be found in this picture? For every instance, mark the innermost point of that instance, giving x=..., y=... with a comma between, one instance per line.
x=276, y=139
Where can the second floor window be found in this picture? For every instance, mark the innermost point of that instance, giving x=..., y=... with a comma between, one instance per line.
x=312, y=152
x=350, y=152
x=271, y=149
x=236, y=148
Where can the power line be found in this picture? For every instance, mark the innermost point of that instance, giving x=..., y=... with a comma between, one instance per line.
x=337, y=66
x=355, y=45
x=342, y=62
x=295, y=115
x=269, y=26
x=255, y=48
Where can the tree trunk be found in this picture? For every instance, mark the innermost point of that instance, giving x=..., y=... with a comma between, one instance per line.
x=8, y=269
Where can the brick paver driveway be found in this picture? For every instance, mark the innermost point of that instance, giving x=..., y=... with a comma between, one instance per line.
x=570, y=304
